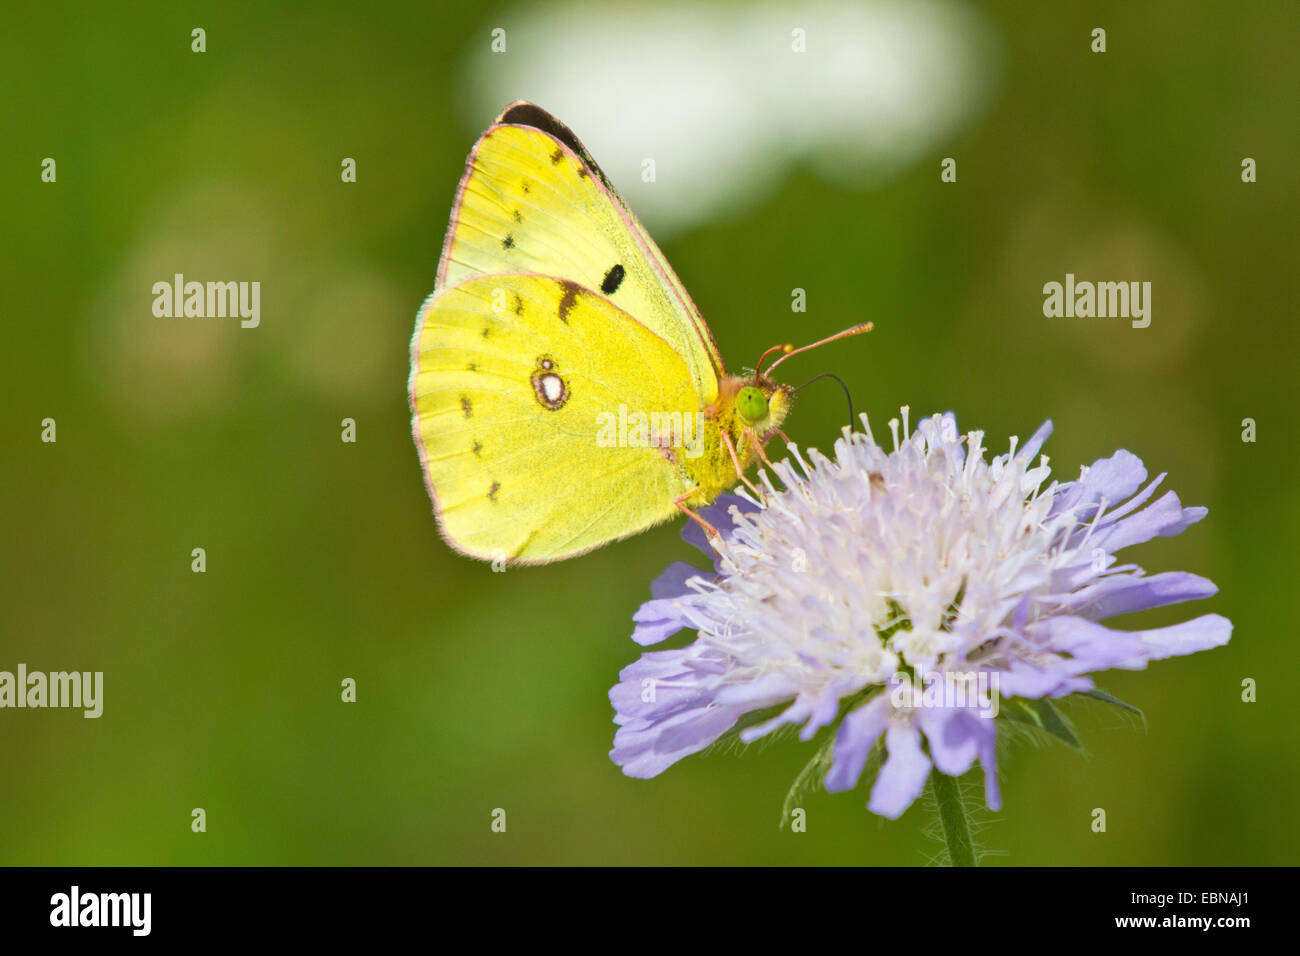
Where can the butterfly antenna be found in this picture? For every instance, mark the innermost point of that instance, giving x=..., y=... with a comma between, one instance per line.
x=847, y=393
x=856, y=330
x=787, y=348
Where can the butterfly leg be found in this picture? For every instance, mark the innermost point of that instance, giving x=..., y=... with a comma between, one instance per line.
x=709, y=530
x=758, y=446
x=735, y=460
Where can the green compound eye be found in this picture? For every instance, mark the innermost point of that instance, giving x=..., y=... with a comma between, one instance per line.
x=751, y=403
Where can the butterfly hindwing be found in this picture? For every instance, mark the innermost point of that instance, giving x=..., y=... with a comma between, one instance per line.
x=514, y=380
x=532, y=200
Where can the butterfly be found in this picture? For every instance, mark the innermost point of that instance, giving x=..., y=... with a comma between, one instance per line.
x=565, y=391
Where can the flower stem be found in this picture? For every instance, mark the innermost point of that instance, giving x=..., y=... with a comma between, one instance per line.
x=954, y=819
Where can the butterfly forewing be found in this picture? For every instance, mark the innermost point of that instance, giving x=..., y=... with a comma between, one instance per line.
x=533, y=201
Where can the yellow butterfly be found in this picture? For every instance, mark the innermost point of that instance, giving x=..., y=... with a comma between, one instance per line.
x=565, y=391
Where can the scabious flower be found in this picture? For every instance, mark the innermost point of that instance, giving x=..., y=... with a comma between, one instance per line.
x=880, y=571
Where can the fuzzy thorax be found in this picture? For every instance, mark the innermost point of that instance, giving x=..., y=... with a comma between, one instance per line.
x=715, y=471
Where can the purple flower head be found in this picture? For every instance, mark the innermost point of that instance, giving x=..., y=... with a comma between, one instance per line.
x=897, y=596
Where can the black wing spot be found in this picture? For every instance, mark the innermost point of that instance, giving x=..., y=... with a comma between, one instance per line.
x=583, y=172
x=519, y=304
x=613, y=279
x=476, y=447
x=508, y=242
x=527, y=188
x=518, y=216
x=557, y=156
x=487, y=330
x=466, y=406
x=492, y=492
x=568, y=300
x=471, y=367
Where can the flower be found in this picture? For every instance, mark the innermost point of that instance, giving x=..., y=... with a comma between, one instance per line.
x=879, y=572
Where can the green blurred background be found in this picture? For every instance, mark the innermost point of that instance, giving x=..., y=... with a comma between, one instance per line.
x=480, y=690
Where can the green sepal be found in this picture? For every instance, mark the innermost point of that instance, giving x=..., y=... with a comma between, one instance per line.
x=1043, y=715
x=1105, y=698
x=814, y=771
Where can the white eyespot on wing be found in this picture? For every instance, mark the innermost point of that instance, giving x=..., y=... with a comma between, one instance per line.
x=551, y=390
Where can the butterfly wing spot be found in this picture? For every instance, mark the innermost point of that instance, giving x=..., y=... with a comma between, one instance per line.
x=519, y=304
x=557, y=156
x=487, y=330
x=551, y=390
x=583, y=172
x=471, y=367
x=476, y=448
x=466, y=406
x=613, y=279
x=492, y=491
x=525, y=186
x=509, y=241
x=568, y=300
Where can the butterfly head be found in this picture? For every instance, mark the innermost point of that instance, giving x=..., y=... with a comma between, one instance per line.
x=762, y=404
